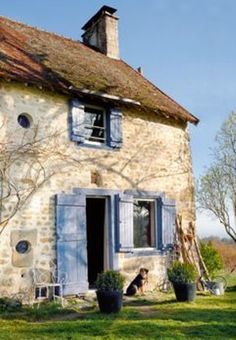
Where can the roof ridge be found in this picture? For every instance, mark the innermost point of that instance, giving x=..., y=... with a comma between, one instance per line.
x=155, y=99
x=56, y=35
x=42, y=30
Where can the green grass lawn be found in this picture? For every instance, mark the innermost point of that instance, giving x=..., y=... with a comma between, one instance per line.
x=154, y=316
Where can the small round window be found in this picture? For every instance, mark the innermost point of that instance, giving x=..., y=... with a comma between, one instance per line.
x=24, y=120
x=22, y=247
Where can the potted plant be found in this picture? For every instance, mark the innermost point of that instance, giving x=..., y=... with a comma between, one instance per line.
x=183, y=278
x=110, y=291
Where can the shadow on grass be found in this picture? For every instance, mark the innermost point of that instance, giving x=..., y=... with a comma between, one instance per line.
x=231, y=289
x=198, y=314
x=128, y=329
x=144, y=302
x=34, y=314
x=206, y=309
x=171, y=310
x=208, y=318
x=202, y=298
x=155, y=330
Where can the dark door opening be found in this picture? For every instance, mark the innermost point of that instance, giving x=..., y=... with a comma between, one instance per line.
x=95, y=214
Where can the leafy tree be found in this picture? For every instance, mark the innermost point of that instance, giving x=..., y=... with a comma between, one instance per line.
x=211, y=257
x=217, y=188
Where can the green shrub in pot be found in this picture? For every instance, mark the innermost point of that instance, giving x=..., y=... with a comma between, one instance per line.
x=110, y=280
x=181, y=272
x=183, y=276
x=109, y=292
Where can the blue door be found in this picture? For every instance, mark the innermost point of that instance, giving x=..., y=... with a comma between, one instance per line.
x=72, y=242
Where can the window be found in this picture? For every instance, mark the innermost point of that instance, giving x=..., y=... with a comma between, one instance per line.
x=144, y=223
x=24, y=120
x=96, y=126
x=23, y=247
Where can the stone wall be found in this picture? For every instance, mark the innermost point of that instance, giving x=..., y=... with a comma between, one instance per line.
x=155, y=156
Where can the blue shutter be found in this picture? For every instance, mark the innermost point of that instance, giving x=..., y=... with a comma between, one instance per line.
x=72, y=242
x=115, y=128
x=168, y=223
x=124, y=219
x=77, y=121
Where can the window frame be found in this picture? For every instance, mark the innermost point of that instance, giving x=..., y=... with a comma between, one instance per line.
x=156, y=197
x=162, y=243
x=112, y=124
x=25, y=120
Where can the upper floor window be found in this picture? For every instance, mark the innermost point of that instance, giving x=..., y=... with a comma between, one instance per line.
x=96, y=126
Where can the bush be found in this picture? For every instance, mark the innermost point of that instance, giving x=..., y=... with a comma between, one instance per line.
x=211, y=257
x=181, y=273
x=9, y=304
x=110, y=281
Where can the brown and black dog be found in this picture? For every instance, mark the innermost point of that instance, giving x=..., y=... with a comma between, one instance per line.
x=137, y=285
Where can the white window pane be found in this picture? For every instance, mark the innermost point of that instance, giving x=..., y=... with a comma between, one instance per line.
x=94, y=125
x=143, y=224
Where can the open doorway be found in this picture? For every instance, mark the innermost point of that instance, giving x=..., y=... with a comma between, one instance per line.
x=96, y=237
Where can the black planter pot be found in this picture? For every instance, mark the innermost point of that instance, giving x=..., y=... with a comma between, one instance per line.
x=109, y=302
x=185, y=291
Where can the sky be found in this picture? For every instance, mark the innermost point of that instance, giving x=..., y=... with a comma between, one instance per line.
x=185, y=47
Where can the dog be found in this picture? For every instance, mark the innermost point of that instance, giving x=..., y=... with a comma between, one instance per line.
x=137, y=285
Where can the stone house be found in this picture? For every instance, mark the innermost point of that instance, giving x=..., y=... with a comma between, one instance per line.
x=112, y=161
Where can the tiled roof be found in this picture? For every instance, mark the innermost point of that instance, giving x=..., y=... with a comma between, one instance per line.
x=47, y=60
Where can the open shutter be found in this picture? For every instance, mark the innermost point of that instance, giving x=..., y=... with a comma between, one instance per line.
x=168, y=223
x=77, y=121
x=72, y=242
x=159, y=241
x=115, y=128
x=124, y=204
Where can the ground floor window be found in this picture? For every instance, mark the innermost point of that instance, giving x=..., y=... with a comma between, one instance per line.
x=144, y=223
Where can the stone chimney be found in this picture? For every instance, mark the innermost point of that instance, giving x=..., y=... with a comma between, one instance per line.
x=101, y=32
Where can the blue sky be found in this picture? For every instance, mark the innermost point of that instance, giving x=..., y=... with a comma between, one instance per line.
x=186, y=47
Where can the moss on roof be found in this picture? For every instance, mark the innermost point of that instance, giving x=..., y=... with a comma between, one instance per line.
x=45, y=59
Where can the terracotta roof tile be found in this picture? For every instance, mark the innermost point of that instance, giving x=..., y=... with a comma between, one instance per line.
x=45, y=59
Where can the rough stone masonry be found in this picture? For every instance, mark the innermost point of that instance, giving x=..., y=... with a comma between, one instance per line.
x=155, y=156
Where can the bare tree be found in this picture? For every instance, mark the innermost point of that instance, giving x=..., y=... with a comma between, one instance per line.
x=27, y=162
x=25, y=165
x=217, y=188
x=30, y=161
